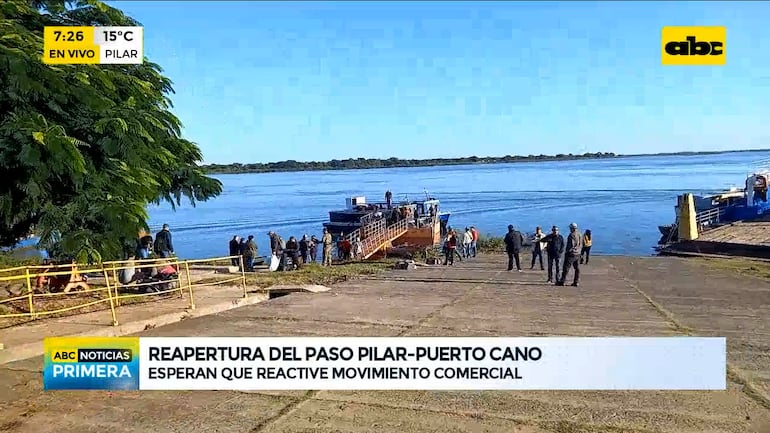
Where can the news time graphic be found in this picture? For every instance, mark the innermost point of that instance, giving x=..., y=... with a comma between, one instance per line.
x=693, y=46
x=107, y=363
x=93, y=45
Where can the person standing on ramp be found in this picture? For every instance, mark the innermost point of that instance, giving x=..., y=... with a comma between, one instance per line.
x=327, y=242
x=572, y=256
x=163, y=245
x=555, y=249
x=513, y=242
x=537, y=248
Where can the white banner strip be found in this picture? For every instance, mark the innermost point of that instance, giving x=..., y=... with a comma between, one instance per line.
x=432, y=363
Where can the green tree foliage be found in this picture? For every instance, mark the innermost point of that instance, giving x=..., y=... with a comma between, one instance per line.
x=85, y=148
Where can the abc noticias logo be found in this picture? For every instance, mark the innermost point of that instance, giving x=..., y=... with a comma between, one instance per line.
x=91, y=363
x=693, y=46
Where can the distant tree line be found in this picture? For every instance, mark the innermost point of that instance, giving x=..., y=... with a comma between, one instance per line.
x=364, y=163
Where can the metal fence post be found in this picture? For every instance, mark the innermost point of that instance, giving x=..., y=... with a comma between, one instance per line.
x=243, y=277
x=109, y=294
x=30, y=294
x=189, y=285
x=179, y=280
x=115, y=278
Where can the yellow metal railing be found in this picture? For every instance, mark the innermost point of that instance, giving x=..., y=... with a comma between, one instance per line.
x=46, y=290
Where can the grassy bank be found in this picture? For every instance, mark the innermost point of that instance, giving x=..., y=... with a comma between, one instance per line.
x=738, y=265
x=310, y=274
x=489, y=244
x=314, y=274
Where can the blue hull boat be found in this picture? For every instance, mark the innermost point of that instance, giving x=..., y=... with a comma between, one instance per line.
x=737, y=204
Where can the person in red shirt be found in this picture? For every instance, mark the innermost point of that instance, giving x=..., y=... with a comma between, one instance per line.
x=450, y=248
x=475, y=234
x=347, y=247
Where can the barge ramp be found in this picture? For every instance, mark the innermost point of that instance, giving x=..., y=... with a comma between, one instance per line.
x=620, y=296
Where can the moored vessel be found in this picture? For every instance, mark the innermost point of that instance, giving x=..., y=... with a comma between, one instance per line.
x=713, y=210
x=382, y=225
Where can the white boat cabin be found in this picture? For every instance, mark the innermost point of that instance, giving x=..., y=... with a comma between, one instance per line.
x=354, y=202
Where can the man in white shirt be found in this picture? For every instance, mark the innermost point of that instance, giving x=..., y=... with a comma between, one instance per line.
x=537, y=248
x=467, y=241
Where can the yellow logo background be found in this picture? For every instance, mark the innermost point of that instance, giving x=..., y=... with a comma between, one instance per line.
x=702, y=34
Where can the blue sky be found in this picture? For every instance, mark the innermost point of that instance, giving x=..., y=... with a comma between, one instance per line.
x=264, y=81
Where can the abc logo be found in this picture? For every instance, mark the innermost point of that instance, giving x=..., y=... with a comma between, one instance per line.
x=693, y=46
x=65, y=356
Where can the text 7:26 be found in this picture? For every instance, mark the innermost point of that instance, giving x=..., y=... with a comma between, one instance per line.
x=68, y=36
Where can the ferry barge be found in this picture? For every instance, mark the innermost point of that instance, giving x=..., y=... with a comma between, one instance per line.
x=381, y=225
x=713, y=210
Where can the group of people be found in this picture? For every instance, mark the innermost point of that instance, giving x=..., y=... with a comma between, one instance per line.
x=302, y=251
x=466, y=245
x=148, y=247
x=162, y=246
x=562, y=255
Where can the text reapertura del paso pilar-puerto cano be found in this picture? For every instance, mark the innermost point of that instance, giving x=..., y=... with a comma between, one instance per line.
x=288, y=354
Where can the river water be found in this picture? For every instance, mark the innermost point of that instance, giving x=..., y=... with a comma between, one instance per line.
x=621, y=200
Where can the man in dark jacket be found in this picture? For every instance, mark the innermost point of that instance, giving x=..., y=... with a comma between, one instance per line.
x=292, y=250
x=235, y=250
x=313, y=248
x=304, y=248
x=572, y=256
x=242, y=247
x=513, y=242
x=555, y=249
x=250, y=254
x=163, y=245
x=273, y=242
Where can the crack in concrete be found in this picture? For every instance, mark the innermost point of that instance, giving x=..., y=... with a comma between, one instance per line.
x=266, y=423
x=520, y=420
x=498, y=415
x=460, y=280
x=733, y=373
x=20, y=370
x=442, y=307
x=331, y=322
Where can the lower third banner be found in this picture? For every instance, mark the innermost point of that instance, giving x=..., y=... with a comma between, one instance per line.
x=385, y=363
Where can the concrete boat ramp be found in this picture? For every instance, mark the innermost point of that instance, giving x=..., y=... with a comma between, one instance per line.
x=618, y=296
